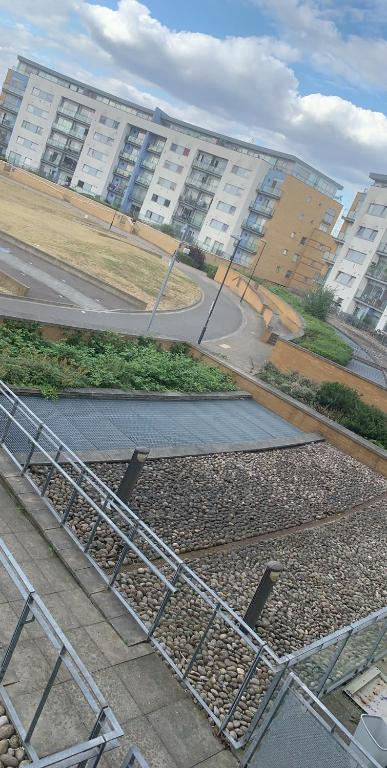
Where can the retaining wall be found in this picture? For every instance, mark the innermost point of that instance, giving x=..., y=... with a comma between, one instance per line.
x=288, y=357
x=11, y=286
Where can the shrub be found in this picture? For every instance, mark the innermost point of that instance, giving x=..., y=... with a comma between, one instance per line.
x=211, y=270
x=338, y=397
x=319, y=301
x=292, y=384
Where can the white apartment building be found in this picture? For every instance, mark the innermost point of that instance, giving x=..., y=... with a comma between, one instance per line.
x=359, y=271
x=144, y=162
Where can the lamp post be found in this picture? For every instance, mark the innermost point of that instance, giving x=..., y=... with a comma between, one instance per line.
x=132, y=473
x=213, y=305
x=253, y=272
x=166, y=278
x=262, y=593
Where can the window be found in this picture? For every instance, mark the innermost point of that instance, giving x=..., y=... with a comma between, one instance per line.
x=329, y=216
x=225, y=207
x=377, y=210
x=103, y=138
x=366, y=233
x=161, y=200
x=344, y=279
x=289, y=273
x=324, y=227
x=154, y=217
x=173, y=166
x=239, y=171
x=285, y=252
x=37, y=111
x=356, y=256
x=85, y=186
x=216, y=224
x=207, y=242
x=43, y=95
x=91, y=170
x=96, y=154
x=27, y=143
x=303, y=240
x=295, y=257
x=292, y=235
x=309, y=198
x=233, y=190
x=166, y=183
x=110, y=123
x=32, y=127
x=180, y=150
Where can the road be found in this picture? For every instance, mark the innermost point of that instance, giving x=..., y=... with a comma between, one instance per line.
x=93, y=308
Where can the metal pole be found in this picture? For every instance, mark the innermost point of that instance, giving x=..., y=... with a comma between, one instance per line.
x=132, y=473
x=213, y=305
x=253, y=272
x=165, y=281
x=262, y=593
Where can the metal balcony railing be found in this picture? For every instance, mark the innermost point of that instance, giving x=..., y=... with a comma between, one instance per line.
x=208, y=168
x=263, y=209
x=75, y=115
x=155, y=147
x=148, y=163
x=270, y=191
x=70, y=131
x=207, y=186
x=253, y=226
x=128, y=156
x=382, y=248
x=377, y=302
x=136, y=140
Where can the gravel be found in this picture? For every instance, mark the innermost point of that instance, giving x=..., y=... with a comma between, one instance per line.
x=12, y=753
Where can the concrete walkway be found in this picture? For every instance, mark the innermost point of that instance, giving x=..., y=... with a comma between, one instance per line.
x=155, y=712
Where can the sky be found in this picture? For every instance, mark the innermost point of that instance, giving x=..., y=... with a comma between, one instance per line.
x=306, y=77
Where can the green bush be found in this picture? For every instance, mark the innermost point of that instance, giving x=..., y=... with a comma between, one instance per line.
x=338, y=397
x=211, y=270
x=195, y=258
x=101, y=360
x=292, y=384
x=318, y=302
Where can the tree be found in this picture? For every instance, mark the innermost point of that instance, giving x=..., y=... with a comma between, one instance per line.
x=319, y=301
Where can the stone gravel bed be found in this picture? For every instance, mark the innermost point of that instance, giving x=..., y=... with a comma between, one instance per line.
x=198, y=502
x=12, y=753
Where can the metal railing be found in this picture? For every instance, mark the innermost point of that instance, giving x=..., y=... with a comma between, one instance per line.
x=177, y=592
x=106, y=729
x=299, y=731
x=134, y=759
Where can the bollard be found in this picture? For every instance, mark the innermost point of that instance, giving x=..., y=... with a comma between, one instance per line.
x=132, y=473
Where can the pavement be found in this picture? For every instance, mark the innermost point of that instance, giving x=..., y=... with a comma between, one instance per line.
x=155, y=712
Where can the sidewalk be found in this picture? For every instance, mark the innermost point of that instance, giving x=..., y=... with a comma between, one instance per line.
x=154, y=711
x=244, y=348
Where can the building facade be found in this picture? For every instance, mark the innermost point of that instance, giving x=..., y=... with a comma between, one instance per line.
x=165, y=171
x=358, y=273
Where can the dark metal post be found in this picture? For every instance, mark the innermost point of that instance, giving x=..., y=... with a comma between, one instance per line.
x=253, y=272
x=132, y=473
x=262, y=593
x=219, y=291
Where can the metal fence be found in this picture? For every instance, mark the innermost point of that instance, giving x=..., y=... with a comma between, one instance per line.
x=134, y=759
x=299, y=732
x=177, y=600
x=105, y=730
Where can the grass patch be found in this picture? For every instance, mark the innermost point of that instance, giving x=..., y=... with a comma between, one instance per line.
x=65, y=232
x=101, y=360
x=319, y=336
x=335, y=400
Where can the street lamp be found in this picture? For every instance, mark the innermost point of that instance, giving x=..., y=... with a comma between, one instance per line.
x=253, y=272
x=166, y=277
x=237, y=241
x=262, y=593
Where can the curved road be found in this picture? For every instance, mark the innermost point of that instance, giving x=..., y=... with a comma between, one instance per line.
x=184, y=324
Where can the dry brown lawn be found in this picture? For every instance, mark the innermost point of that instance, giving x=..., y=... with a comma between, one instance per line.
x=61, y=230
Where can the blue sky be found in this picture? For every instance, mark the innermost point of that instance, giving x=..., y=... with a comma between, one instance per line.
x=303, y=76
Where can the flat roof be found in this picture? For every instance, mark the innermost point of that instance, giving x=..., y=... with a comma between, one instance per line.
x=382, y=177
x=244, y=144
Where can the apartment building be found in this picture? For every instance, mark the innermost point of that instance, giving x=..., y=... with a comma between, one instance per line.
x=358, y=272
x=169, y=172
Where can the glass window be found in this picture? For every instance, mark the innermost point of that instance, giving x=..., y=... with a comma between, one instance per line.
x=103, y=138
x=173, y=166
x=43, y=95
x=225, y=207
x=233, y=190
x=27, y=143
x=161, y=200
x=366, y=233
x=37, y=111
x=295, y=257
x=344, y=279
x=91, y=170
x=166, y=183
x=180, y=150
x=154, y=217
x=239, y=171
x=32, y=127
x=96, y=154
x=109, y=122
x=377, y=210
x=216, y=224
x=324, y=227
x=356, y=256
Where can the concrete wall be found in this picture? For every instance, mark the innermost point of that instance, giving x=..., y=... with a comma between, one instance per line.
x=11, y=286
x=288, y=357
x=298, y=414
x=262, y=300
x=89, y=206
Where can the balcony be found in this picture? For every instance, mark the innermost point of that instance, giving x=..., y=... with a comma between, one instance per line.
x=253, y=227
x=137, y=200
x=128, y=157
x=194, y=203
x=8, y=88
x=142, y=180
x=264, y=210
x=377, y=302
x=74, y=115
x=246, y=246
x=148, y=163
x=275, y=192
x=124, y=172
x=119, y=191
x=9, y=107
x=189, y=220
x=208, y=168
x=329, y=257
x=210, y=188
x=339, y=237
x=377, y=272
x=7, y=123
x=350, y=217
x=382, y=248
x=70, y=132
x=157, y=148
